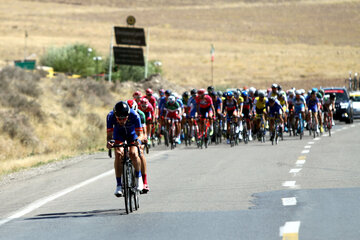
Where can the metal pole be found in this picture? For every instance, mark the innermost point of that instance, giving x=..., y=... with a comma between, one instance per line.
x=25, y=48
x=147, y=52
x=111, y=52
x=212, y=73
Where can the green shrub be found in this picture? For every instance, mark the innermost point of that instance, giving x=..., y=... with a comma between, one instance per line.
x=73, y=59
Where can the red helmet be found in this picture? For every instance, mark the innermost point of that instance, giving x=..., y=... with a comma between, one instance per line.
x=149, y=91
x=201, y=91
x=132, y=104
x=137, y=94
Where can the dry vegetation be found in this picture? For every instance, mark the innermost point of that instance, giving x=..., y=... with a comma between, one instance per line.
x=301, y=43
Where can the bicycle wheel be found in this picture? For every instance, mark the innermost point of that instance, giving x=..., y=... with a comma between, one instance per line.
x=245, y=133
x=166, y=138
x=127, y=198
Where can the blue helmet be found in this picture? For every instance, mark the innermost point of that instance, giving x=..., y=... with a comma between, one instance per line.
x=314, y=90
x=229, y=94
x=244, y=93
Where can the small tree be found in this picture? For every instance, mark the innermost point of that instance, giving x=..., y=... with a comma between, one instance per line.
x=73, y=59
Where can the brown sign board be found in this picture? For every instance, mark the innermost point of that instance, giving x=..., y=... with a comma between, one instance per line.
x=130, y=36
x=129, y=56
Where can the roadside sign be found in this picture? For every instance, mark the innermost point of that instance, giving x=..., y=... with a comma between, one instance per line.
x=129, y=56
x=130, y=36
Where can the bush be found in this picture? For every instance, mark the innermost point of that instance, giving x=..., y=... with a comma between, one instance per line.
x=73, y=59
x=125, y=73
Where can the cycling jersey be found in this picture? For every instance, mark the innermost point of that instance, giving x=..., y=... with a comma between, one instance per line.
x=148, y=111
x=259, y=105
x=152, y=100
x=217, y=103
x=230, y=105
x=247, y=106
x=126, y=132
x=313, y=104
x=272, y=94
x=275, y=109
x=142, y=116
x=204, y=102
x=240, y=100
x=172, y=110
x=192, y=106
x=162, y=103
x=299, y=104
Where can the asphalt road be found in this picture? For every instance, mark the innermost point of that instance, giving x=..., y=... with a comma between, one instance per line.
x=306, y=189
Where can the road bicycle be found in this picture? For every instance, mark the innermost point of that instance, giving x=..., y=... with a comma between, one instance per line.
x=300, y=125
x=233, y=135
x=204, y=137
x=327, y=122
x=131, y=194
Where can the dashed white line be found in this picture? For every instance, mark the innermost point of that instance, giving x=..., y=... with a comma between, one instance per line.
x=305, y=151
x=307, y=146
x=317, y=139
x=295, y=170
x=290, y=184
x=290, y=229
x=289, y=201
x=300, y=162
x=311, y=143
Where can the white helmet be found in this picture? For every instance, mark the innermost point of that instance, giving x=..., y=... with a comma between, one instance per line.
x=171, y=99
x=252, y=90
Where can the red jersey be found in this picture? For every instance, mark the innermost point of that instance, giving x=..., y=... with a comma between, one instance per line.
x=204, y=102
x=152, y=100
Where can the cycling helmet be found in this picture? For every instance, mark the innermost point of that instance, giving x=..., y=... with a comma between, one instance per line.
x=224, y=94
x=229, y=94
x=210, y=89
x=274, y=85
x=282, y=93
x=171, y=99
x=298, y=92
x=252, y=90
x=156, y=96
x=314, y=90
x=161, y=92
x=137, y=94
x=149, y=91
x=185, y=94
x=220, y=93
x=272, y=99
x=319, y=95
x=244, y=93
x=121, y=109
x=144, y=101
x=168, y=92
x=201, y=91
x=279, y=88
x=132, y=104
x=291, y=92
x=193, y=91
x=261, y=94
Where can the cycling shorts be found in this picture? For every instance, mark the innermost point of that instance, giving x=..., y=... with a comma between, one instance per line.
x=230, y=114
x=148, y=116
x=313, y=108
x=299, y=109
x=259, y=110
x=204, y=112
x=172, y=115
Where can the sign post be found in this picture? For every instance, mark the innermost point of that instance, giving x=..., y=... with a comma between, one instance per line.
x=212, y=52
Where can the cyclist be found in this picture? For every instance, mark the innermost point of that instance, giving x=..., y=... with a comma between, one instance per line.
x=284, y=104
x=274, y=110
x=133, y=105
x=149, y=112
x=313, y=106
x=240, y=101
x=274, y=91
x=252, y=91
x=247, y=111
x=291, y=95
x=259, y=109
x=137, y=96
x=319, y=95
x=329, y=106
x=162, y=103
x=205, y=109
x=124, y=124
x=192, y=112
x=230, y=109
x=172, y=111
x=299, y=106
x=218, y=107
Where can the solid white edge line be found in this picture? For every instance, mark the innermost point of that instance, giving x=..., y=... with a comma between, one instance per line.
x=289, y=201
x=37, y=204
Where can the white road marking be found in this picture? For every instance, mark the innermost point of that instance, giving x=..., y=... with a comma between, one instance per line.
x=295, y=170
x=310, y=143
x=300, y=162
x=290, y=184
x=290, y=228
x=289, y=201
x=305, y=151
x=35, y=205
x=307, y=146
x=352, y=126
x=317, y=139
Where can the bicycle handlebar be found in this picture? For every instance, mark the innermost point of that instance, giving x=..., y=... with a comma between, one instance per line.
x=125, y=145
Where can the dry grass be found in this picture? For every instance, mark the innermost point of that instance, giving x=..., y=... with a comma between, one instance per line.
x=257, y=41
